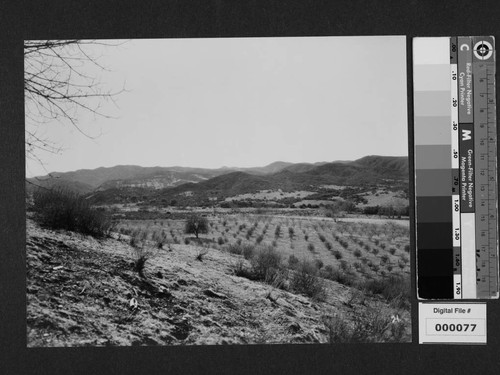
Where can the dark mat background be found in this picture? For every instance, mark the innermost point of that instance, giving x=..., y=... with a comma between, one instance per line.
x=211, y=18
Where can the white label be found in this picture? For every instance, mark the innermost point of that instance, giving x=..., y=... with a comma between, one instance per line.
x=452, y=323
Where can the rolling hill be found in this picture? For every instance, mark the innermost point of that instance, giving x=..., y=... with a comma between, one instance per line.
x=124, y=182
x=85, y=181
x=367, y=171
x=124, y=176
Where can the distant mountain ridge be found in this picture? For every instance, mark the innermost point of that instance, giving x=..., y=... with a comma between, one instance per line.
x=368, y=170
x=88, y=180
x=277, y=175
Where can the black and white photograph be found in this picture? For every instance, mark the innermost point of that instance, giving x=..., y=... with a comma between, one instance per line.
x=209, y=191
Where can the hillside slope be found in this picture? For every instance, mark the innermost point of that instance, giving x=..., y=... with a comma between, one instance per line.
x=79, y=291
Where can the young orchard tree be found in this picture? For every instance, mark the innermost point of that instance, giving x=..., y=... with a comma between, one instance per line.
x=196, y=224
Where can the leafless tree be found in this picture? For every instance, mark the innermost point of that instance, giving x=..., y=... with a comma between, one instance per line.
x=61, y=78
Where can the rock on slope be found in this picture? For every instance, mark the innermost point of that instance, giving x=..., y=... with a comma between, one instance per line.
x=79, y=293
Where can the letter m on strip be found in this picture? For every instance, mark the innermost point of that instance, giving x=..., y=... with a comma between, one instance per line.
x=466, y=135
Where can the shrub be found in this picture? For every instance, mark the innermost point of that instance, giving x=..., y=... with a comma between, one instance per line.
x=306, y=281
x=310, y=247
x=247, y=250
x=395, y=289
x=196, y=224
x=357, y=253
x=277, y=231
x=407, y=248
x=186, y=241
x=338, y=330
x=337, y=254
x=62, y=209
x=370, y=326
x=220, y=241
x=292, y=261
x=201, y=253
x=392, y=250
x=328, y=245
x=306, y=237
x=266, y=261
x=344, y=265
x=367, y=326
x=134, y=241
x=322, y=238
x=291, y=232
x=259, y=239
x=335, y=274
x=239, y=269
x=141, y=254
x=159, y=238
x=234, y=248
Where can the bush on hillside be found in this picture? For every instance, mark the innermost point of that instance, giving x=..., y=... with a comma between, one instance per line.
x=339, y=275
x=306, y=280
x=63, y=209
x=395, y=289
x=266, y=261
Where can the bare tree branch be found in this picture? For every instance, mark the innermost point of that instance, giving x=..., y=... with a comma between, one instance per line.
x=58, y=84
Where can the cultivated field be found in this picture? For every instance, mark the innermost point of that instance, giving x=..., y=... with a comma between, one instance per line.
x=364, y=250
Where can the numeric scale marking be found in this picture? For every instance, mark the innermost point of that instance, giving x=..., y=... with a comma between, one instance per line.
x=455, y=167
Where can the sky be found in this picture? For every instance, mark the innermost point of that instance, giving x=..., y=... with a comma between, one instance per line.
x=239, y=102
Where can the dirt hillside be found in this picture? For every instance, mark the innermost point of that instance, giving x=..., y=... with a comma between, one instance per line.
x=85, y=292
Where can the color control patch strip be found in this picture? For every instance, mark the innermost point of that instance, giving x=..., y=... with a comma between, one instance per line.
x=455, y=167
